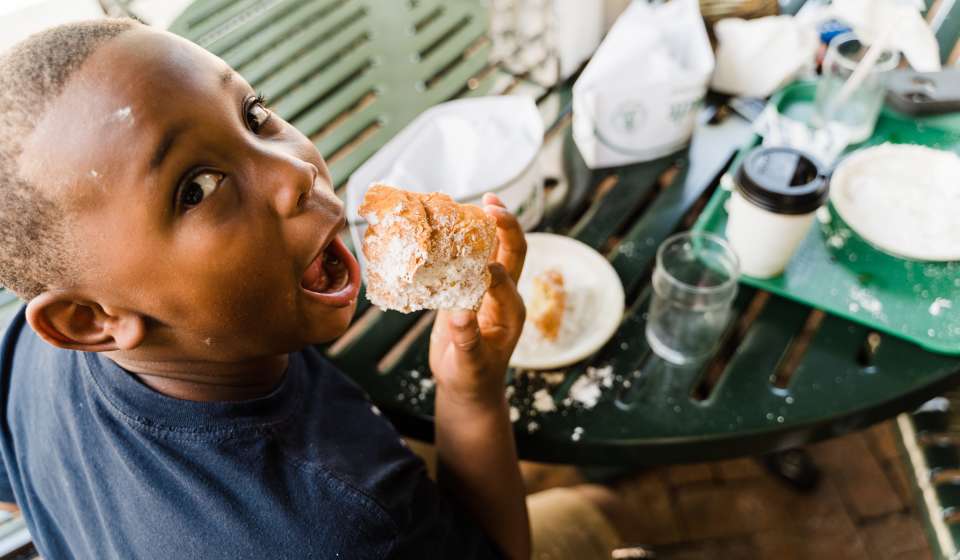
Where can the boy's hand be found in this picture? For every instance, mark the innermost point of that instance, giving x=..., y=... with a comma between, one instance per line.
x=469, y=351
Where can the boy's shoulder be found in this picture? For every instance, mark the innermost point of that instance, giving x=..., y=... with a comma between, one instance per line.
x=317, y=415
x=80, y=430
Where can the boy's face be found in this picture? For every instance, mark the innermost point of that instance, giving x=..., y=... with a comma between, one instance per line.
x=192, y=205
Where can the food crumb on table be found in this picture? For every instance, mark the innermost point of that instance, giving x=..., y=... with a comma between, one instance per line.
x=543, y=402
x=939, y=305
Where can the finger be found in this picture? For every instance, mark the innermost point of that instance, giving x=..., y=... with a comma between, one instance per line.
x=496, y=249
x=502, y=306
x=511, y=243
x=464, y=332
x=493, y=200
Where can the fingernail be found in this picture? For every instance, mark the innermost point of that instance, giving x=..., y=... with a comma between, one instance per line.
x=460, y=318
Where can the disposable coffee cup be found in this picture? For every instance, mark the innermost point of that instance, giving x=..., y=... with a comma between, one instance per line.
x=778, y=191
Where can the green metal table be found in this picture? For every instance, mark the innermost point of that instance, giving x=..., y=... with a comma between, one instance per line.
x=785, y=374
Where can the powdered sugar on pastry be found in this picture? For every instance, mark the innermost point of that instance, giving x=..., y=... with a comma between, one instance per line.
x=425, y=251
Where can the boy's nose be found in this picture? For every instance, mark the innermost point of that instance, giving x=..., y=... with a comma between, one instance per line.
x=292, y=189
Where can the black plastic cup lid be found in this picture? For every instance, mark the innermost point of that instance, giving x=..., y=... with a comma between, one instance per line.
x=783, y=180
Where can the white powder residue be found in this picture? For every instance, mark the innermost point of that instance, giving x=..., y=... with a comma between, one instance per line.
x=823, y=215
x=604, y=374
x=587, y=388
x=939, y=305
x=124, y=114
x=839, y=238
x=577, y=433
x=727, y=182
x=415, y=387
x=627, y=249
x=552, y=377
x=407, y=281
x=866, y=301
x=585, y=391
x=902, y=198
x=577, y=316
x=543, y=402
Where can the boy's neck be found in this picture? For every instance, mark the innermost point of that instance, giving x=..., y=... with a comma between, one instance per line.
x=209, y=381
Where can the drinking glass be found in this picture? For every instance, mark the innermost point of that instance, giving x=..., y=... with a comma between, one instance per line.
x=694, y=283
x=856, y=115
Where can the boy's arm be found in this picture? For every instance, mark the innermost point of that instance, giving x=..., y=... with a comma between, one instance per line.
x=469, y=352
x=477, y=464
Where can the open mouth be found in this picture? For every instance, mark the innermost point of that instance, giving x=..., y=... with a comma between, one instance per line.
x=334, y=275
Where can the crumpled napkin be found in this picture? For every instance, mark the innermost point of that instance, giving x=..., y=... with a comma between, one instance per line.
x=756, y=57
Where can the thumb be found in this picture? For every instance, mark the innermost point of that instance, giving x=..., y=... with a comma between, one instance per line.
x=464, y=332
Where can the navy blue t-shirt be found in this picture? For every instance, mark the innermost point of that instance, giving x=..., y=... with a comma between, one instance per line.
x=104, y=467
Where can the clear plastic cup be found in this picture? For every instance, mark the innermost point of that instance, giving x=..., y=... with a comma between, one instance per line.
x=694, y=283
x=857, y=114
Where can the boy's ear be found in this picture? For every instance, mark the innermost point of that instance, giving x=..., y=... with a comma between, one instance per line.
x=66, y=321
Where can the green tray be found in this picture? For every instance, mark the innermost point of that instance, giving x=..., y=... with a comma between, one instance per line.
x=349, y=74
x=837, y=271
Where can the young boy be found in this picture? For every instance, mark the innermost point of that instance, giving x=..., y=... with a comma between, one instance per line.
x=177, y=244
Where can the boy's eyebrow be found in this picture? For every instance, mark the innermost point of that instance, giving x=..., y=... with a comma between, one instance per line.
x=163, y=148
x=226, y=76
x=170, y=136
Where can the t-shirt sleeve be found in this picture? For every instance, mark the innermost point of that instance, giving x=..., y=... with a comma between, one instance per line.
x=432, y=526
x=10, y=331
x=6, y=491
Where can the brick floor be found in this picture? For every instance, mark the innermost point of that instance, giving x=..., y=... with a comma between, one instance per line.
x=863, y=509
x=894, y=537
x=679, y=475
x=738, y=469
x=859, y=476
x=897, y=472
x=654, y=518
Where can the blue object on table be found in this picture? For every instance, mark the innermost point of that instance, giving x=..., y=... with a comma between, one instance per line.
x=830, y=29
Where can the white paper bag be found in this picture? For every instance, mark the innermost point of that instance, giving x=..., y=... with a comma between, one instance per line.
x=638, y=97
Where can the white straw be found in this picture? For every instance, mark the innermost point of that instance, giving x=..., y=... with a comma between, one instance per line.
x=864, y=67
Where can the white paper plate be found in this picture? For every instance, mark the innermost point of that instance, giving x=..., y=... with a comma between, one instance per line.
x=594, y=302
x=903, y=199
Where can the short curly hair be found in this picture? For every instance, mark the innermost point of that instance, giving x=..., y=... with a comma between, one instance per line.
x=34, y=248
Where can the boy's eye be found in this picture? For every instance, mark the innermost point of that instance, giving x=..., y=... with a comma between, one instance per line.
x=198, y=188
x=257, y=115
